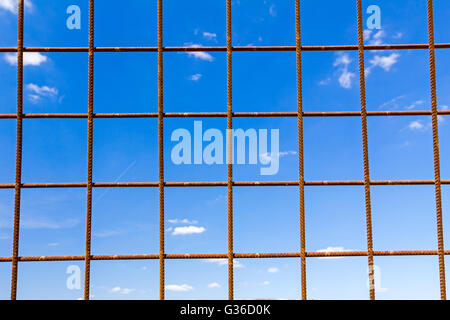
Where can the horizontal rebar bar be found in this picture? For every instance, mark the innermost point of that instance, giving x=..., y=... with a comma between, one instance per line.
x=223, y=114
x=225, y=256
x=235, y=48
x=221, y=184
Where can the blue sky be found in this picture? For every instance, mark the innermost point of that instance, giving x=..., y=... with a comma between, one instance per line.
x=125, y=221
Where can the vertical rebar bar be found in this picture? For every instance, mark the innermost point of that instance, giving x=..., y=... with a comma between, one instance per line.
x=301, y=162
x=365, y=149
x=19, y=138
x=230, y=152
x=87, y=263
x=161, y=151
x=437, y=167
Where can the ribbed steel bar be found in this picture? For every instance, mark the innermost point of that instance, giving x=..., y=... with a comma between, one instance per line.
x=365, y=149
x=263, y=255
x=222, y=184
x=161, y=151
x=234, y=48
x=19, y=138
x=437, y=167
x=87, y=263
x=225, y=114
x=230, y=151
x=301, y=162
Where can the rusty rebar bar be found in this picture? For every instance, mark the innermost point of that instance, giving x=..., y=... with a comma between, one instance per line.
x=365, y=149
x=411, y=46
x=230, y=151
x=437, y=170
x=19, y=140
x=223, y=184
x=161, y=151
x=301, y=162
x=198, y=256
x=87, y=263
x=279, y=114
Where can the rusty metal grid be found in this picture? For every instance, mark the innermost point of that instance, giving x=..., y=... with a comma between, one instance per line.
x=230, y=183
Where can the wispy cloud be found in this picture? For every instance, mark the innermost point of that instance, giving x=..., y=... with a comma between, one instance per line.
x=45, y=223
x=183, y=221
x=273, y=270
x=195, y=77
x=122, y=290
x=342, y=62
x=200, y=54
x=416, y=125
x=333, y=249
x=384, y=62
x=415, y=104
x=53, y=244
x=214, y=285
x=181, y=231
x=266, y=158
x=29, y=59
x=179, y=288
x=393, y=103
x=224, y=262
x=109, y=233
x=377, y=37
x=36, y=93
x=209, y=35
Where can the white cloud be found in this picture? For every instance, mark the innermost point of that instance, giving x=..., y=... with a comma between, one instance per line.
x=210, y=35
x=224, y=262
x=12, y=5
x=367, y=33
x=444, y=107
x=29, y=59
x=184, y=221
x=265, y=283
x=200, y=54
x=195, y=77
x=273, y=270
x=377, y=38
x=36, y=93
x=345, y=79
x=43, y=91
x=384, y=62
x=342, y=59
x=214, y=285
x=333, y=249
x=179, y=288
x=122, y=290
x=342, y=62
x=266, y=158
x=187, y=230
x=416, y=125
